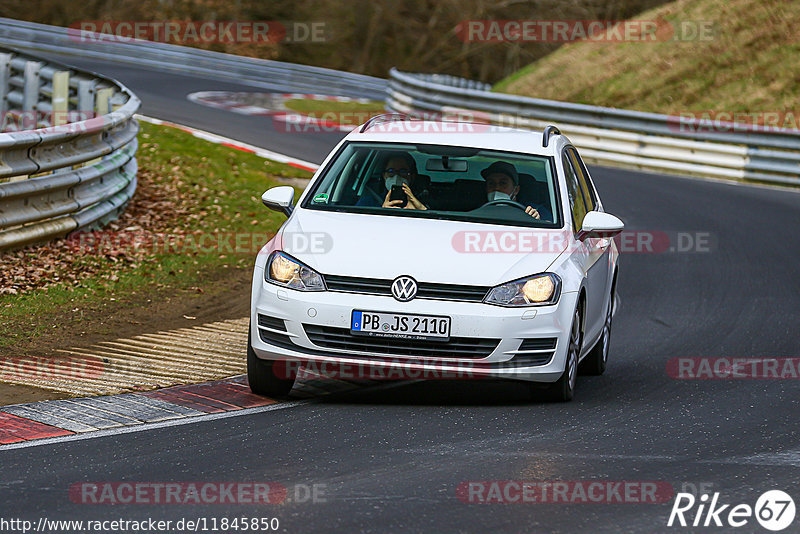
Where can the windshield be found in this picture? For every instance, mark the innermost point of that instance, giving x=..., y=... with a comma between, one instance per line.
x=440, y=182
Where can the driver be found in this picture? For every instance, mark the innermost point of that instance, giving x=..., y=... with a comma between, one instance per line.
x=502, y=183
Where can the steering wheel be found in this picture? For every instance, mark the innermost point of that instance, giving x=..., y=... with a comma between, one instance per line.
x=506, y=202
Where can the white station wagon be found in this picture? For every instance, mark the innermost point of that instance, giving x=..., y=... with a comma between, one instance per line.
x=426, y=249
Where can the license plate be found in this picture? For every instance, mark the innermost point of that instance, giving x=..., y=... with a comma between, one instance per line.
x=400, y=325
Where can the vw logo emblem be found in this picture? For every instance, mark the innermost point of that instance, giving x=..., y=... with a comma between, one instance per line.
x=404, y=288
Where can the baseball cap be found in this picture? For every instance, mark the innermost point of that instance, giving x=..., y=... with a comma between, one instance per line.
x=501, y=167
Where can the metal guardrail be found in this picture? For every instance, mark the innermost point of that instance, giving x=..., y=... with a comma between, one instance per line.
x=614, y=137
x=67, y=149
x=273, y=75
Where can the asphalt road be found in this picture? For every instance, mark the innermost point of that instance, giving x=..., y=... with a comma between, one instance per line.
x=163, y=96
x=392, y=458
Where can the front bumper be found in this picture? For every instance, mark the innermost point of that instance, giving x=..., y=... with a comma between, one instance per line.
x=510, y=326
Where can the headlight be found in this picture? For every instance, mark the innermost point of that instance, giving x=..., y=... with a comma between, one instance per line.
x=284, y=270
x=537, y=290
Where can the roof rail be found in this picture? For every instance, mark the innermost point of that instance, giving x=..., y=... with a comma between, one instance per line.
x=383, y=117
x=548, y=131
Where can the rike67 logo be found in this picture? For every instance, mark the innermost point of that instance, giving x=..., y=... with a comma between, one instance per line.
x=774, y=510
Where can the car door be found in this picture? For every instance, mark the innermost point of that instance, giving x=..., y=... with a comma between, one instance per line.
x=605, y=246
x=591, y=253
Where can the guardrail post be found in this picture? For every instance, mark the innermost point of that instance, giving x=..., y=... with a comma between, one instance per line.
x=30, y=95
x=60, y=98
x=5, y=74
x=86, y=99
x=103, y=101
x=102, y=107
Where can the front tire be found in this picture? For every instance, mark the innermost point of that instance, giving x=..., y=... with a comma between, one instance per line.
x=564, y=389
x=595, y=362
x=264, y=376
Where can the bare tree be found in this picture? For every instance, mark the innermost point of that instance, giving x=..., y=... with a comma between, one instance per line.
x=366, y=36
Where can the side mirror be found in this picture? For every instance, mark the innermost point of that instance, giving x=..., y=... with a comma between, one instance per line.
x=600, y=224
x=279, y=199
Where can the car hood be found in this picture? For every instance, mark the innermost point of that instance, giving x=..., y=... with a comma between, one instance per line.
x=429, y=250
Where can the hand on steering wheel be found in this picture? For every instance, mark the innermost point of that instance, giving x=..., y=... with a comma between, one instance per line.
x=505, y=202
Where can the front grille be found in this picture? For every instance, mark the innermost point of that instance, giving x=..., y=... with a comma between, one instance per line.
x=526, y=360
x=457, y=347
x=333, y=338
x=544, y=347
x=541, y=343
x=426, y=290
x=451, y=292
x=274, y=338
x=352, y=284
x=271, y=322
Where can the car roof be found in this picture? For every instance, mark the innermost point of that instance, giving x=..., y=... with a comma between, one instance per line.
x=467, y=134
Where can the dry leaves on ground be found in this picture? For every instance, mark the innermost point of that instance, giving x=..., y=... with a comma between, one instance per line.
x=158, y=208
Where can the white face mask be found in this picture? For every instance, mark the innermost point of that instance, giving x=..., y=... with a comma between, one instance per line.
x=389, y=181
x=498, y=195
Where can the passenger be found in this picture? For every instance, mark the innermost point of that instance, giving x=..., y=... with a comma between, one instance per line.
x=399, y=169
x=502, y=183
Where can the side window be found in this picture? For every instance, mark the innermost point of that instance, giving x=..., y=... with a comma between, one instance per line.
x=583, y=179
x=353, y=178
x=576, y=201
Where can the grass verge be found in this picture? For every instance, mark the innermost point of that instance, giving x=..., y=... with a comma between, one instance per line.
x=195, y=224
x=724, y=55
x=350, y=113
